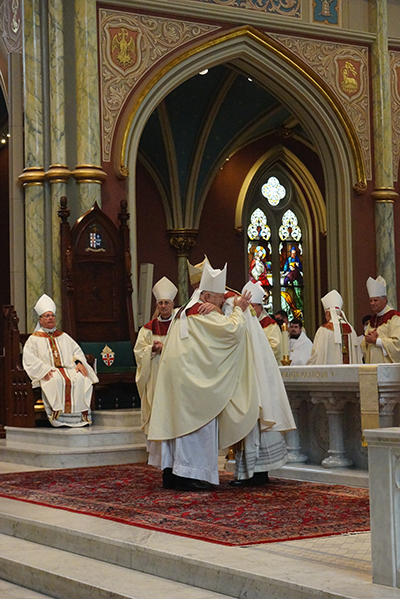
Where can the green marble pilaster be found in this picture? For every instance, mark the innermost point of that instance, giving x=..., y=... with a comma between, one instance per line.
x=57, y=137
x=88, y=108
x=34, y=233
x=34, y=196
x=384, y=193
x=182, y=240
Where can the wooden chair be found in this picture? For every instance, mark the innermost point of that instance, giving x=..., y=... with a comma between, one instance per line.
x=97, y=298
x=21, y=405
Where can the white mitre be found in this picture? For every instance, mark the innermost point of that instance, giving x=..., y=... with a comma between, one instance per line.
x=213, y=279
x=44, y=304
x=196, y=270
x=332, y=302
x=376, y=287
x=164, y=289
x=257, y=292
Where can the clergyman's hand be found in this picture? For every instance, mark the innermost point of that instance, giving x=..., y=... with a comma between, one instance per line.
x=157, y=347
x=207, y=307
x=49, y=375
x=371, y=337
x=242, y=301
x=81, y=368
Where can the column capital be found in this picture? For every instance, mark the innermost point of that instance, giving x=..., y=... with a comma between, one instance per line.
x=182, y=240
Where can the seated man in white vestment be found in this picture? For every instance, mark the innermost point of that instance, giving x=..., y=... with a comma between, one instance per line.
x=264, y=448
x=148, y=348
x=336, y=341
x=56, y=363
x=300, y=345
x=381, y=341
x=205, y=393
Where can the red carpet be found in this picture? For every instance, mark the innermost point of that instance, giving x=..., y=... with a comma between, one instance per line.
x=132, y=494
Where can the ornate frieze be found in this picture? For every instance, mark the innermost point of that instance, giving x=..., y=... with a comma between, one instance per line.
x=395, y=92
x=345, y=69
x=288, y=8
x=11, y=25
x=130, y=45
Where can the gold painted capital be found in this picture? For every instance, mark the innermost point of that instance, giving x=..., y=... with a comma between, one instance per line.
x=182, y=240
x=384, y=195
x=58, y=173
x=32, y=175
x=89, y=173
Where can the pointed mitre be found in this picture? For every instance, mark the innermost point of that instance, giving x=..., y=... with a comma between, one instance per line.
x=213, y=279
x=376, y=287
x=44, y=304
x=164, y=289
x=195, y=271
x=257, y=292
x=333, y=299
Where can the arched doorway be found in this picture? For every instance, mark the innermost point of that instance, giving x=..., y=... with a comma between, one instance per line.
x=332, y=142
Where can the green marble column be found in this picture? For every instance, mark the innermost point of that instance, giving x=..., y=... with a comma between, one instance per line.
x=58, y=172
x=88, y=172
x=33, y=174
x=383, y=194
x=182, y=240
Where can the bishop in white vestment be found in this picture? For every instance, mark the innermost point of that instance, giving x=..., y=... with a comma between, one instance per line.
x=56, y=363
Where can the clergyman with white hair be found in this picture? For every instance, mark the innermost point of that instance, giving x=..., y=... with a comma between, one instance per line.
x=56, y=363
x=382, y=336
x=336, y=341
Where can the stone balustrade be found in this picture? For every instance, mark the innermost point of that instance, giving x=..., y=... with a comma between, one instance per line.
x=326, y=405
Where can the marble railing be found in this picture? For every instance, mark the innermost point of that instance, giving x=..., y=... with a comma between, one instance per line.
x=325, y=401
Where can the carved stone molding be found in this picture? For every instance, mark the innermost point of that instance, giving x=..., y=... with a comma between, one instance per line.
x=394, y=58
x=182, y=240
x=344, y=68
x=131, y=45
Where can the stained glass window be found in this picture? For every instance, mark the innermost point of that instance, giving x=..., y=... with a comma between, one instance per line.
x=275, y=250
x=273, y=190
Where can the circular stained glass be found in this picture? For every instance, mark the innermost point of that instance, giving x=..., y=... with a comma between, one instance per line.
x=273, y=190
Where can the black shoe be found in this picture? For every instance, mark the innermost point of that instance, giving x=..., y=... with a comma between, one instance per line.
x=169, y=479
x=257, y=480
x=192, y=484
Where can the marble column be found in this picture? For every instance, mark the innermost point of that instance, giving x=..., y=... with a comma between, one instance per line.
x=383, y=194
x=58, y=172
x=88, y=172
x=335, y=409
x=182, y=240
x=295, y=455
x=32, y=176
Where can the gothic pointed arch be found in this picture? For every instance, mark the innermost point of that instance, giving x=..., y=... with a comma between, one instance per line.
x=305, y=95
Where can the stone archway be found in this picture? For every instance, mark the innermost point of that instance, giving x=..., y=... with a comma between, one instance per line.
x=334, y=138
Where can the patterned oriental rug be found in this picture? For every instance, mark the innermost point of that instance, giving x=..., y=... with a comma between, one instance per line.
x=132, y=494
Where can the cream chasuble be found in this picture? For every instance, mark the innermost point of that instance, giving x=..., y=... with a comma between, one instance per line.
x=206, y=375
x=148, y=364
x=326, y=351
x=67, y=391
x=388, y=327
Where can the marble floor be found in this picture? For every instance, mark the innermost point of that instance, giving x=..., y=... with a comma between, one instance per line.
x=336, y=566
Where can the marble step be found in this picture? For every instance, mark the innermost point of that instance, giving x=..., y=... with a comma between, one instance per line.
x=63, y=437
x=44, y=456
x=116, y=418
x=65, y=575
x=252, y=572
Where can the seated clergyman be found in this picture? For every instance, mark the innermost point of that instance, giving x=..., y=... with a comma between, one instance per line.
x=56, y=363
